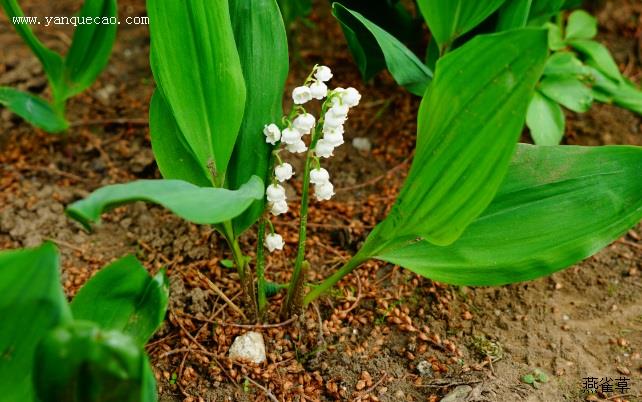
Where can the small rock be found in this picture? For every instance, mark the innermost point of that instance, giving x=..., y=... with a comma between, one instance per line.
x=459, y=394
x=248, y=347
x=362, y=144
x=424, y=368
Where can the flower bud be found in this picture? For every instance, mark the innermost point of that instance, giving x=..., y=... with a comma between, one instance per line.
x=324, y=148
x=318, y=90
x=318, y=176
x=278, y=207
x=290, y=135
x=304, y=123
x=275, y=192
x=274, y=241
x=323, y=73
x=298, y=147
x=324, y=191
x=283, y=172
x=351, y=97
x=272, y=133
x=301, y=95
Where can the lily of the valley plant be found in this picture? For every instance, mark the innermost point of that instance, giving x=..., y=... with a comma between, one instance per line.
x=476, y=207
x=69, y=75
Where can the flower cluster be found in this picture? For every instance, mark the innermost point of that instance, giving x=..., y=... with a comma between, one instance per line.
x=326, y=135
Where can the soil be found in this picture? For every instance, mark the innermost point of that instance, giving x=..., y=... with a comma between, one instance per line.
x=384, y=333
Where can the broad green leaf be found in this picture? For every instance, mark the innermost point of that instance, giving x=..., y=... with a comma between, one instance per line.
x=598, y=56
x=90, y=46
x=81, y=362
x=622, y=93
x=557, y=206
x=555, y=39
x=448, y=20
x=469, y=123
x=33, y=109
x=581, y=25
x=51, y=61
x=198, y=68
x=31, y=303
x=546, y=120
x=263, y=50
x=564, y=63
x=174, y=157
x=123, y=297
x=569, y=91
x=407, y=70
x=293, y=9
x=514, y=14
x=201, y=205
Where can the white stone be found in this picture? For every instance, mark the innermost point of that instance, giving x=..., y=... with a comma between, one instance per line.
x=248, y=347
x=362, y=144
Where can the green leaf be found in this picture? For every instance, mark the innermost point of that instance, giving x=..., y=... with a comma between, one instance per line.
x=469, y=123
x=543, y=10
x=564, y=63
x=598, y=56
x=568, y=91
x=293, y=9
x=80, y=362
x=528, y=379
x=581, y=25
x=514, y=14
x=51, y=61
x=557, y=206
x=196, y=64
x=555, y=39
x=173, y=155
x=31, y=303
x=448, y=20
x=90, y=46
x=123, y=297
x=407, y=70
x=546, y=120
x=263, y=49
x=33, y=109
x=201, y=205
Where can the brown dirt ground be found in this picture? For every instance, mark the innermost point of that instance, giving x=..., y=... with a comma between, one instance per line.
x=367, y=339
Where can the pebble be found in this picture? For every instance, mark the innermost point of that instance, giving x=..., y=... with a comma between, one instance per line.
x=362, y=144
x=459, y=394
x=424, y=368
x=248, y=347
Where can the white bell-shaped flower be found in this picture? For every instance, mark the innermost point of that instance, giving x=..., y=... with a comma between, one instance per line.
x=272, y=133
x=324, y=191
x=275, y=193
x=301, y=95
x=278, y=207
x=319, y=175
x=318, y=90
x=304, y=123
x=323, y=73
x=298, y=147
x=335, y=138
x=274, y=241
x=283, y=172
x=290, y=135
x=351, y=97
x=338, y=111
x=337, y=98
x=323, y=148
x=331, y=121
x=332, y=130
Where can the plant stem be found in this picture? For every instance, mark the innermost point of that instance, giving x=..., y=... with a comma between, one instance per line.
x=242, y=267
x=260, y=270
x=348, y=267
x=300, y=256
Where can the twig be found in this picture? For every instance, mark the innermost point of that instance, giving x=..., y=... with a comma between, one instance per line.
x=620, y=396
x=630, y=243
x=321, y=337
x=447, y=384
x=267, y=391
x=245, y=326
x=50, y=170
x=376, y=179
x=67, y=245
x=182, y=350
x=375, y=385
x=219, y=292
x=358, y=299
